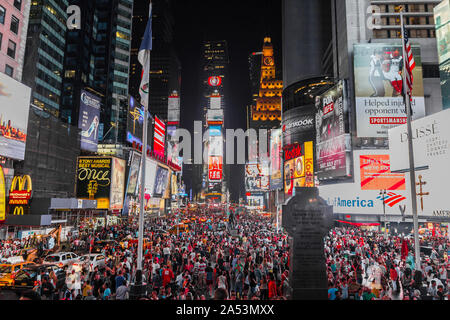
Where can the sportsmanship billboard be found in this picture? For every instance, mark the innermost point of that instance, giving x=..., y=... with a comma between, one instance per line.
x=89, y=120
x=298, y=166
x=379, y=86
x=117, y=184
x=333, y=143
x=94, y=176
x=14, y=109
x=276, y=177
x=257, y=177
x=431, y=145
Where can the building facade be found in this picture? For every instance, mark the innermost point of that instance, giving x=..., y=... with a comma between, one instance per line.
x=13, y=36
x=44, y=55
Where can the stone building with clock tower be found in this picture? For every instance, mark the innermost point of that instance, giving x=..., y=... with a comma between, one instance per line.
x=266, y=112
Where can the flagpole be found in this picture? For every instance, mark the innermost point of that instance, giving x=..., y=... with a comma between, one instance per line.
x=139, y=266
x=412, y=170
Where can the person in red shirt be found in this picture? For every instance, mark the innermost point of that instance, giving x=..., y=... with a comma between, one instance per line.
x=167, y=276
x=272, y=286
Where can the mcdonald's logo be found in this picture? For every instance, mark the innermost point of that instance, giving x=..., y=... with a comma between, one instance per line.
x=20, y=191
x=18, y=211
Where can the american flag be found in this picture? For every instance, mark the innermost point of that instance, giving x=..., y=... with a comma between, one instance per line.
x=410, y=64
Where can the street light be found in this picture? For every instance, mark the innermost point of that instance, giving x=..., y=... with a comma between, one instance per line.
x=383, y=195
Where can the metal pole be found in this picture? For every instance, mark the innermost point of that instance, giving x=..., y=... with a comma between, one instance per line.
x=412, y=170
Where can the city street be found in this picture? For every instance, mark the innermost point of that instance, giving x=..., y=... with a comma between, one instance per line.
x=242, y=155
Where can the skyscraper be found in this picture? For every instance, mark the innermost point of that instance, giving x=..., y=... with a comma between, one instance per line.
x=214, y=77
x=97, y=59
x=44, y=55
x=165, y=68
x=13, y=36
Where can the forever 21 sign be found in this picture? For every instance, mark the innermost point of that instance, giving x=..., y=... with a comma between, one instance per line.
x=94, y=178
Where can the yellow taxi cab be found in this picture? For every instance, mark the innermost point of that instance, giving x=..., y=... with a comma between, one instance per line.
x=179, y=228
x=8, y=271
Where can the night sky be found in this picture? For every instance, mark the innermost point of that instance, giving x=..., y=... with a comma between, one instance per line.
x=243, y=24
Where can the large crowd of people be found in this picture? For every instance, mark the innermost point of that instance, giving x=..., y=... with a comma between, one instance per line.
x=368, y=265
x=239, y=258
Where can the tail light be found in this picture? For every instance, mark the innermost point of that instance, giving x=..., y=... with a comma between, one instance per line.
x=60, y=264
x=36, y=283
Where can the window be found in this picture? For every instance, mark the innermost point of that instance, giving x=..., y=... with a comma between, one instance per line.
x=1, y=38
x=14, y=25
x=12, y=49
x=9, y=70
x=2, y=15
x=18, y=4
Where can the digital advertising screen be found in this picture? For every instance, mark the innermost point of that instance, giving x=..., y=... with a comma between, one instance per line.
x=161, y=182
x=333, y=143
x=14, y=110
x=117, y=184
x=89, y=120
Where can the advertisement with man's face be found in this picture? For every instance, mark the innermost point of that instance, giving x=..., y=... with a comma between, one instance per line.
x=94, y=175
x=14, y=109
x=89, y=120
x=276, y=179
x=379, y=85
x=161, y=182
x=117, y=184
x=332, y=138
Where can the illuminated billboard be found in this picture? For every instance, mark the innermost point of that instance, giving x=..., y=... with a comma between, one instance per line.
x=257, y=177
x=89, y=120
x=135, y=123
x=133, y=173
x=215, y=81
x=117, y=184
x=276, y=178
x=14, y=110
x=333, y=143
x=442, y=21
x=94, y=176
x=214, y=116
x=215, y=168
x=379, y=86
x=160, y=136
x=298, y=166
x=161, y=182
x=215, y=102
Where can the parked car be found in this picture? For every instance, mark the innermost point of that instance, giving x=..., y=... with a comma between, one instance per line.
x=27, y=278
x=62, y=259
x=8, y=272
x=90, y=261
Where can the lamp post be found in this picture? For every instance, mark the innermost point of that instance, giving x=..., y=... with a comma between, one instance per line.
x=383, y=195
